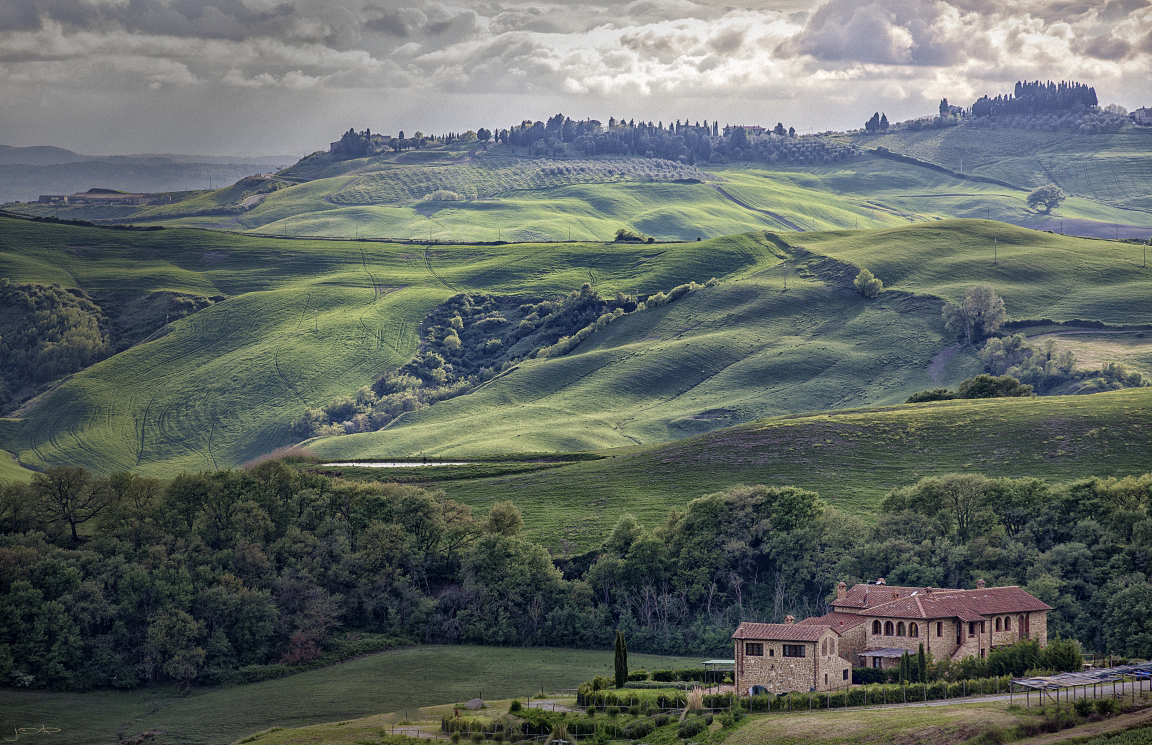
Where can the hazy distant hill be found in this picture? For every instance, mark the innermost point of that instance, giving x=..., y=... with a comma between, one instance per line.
x=27, y=172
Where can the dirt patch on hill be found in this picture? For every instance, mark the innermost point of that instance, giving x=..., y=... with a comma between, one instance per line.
x=940, y=361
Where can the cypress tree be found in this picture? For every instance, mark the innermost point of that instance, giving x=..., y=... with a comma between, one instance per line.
x=904, y=668
x=922, y=664
x=621, y=660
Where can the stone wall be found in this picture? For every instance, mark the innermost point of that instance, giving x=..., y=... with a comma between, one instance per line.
x=780, y=674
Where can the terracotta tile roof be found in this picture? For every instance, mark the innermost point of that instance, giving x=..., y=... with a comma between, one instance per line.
x=967, y=605
x=788, y=632
x=837, y=621
x=866, y=596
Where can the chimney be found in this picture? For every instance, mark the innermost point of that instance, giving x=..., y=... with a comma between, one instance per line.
x=841, y=590
x=789, y=619
x=979, y=584
x=927, y=590
x=881, y=581
x=895, y=595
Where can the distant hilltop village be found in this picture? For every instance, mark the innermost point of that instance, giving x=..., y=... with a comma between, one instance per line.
x=105, y=197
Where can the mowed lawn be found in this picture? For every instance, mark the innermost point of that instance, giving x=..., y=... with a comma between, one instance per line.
x=376, y=684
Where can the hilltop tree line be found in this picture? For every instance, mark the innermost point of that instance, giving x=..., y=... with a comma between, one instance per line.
x=1037, y=98
x=241, y=575
x=684, y=141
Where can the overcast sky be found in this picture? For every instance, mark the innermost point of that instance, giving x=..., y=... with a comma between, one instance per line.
x=271, y=76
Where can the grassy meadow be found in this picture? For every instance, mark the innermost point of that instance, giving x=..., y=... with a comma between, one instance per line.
x=376, y=684
x=510, y=197
x=306, y=320
x=852, y=458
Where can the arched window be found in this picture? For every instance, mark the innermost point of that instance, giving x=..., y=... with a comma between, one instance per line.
x=824, y=647
x=913, y=630
x=887, y=628
x=1007, y=623
x=997, y=623
x=900, y=629
x=876, y=628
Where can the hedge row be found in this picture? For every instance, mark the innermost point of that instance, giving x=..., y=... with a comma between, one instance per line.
x=878, y=694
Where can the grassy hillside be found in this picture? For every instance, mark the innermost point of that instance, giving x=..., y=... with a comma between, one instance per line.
x=1111, y=169
x=308, y=320
x=538, y=199
x=748, y=349
x=303, y=322
x=377, y=684
x=852, y=458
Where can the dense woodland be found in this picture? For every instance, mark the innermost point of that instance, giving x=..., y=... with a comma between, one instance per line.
x=238, y=575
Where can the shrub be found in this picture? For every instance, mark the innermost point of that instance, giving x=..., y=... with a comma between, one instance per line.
x=612, y=711
x=868, y=284
x=1106, y=707
x=639, y=728
x=1083, y=706
x=691, y=728
x=663, y=676
x=515, y=706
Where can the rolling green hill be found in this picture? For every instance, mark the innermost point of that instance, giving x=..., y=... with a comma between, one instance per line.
x=852, y=458
x=304, y=321
x=506, y=196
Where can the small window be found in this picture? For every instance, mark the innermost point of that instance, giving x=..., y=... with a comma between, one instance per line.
x=900, y=629
x=981, y=652
x=824, y=647
x=771, y=652
x=754, y=649
x=825, y=678
x=794, y=650
x=876, y=628
x=845, y=671
x=997, y=623
x=982, y=627
x=939, y=628
x=971, y=628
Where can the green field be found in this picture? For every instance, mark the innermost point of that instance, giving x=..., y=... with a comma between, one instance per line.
x=377, y=684
x=852, y=458
x=510, y=197
x=308, y=320
x=1111, y=169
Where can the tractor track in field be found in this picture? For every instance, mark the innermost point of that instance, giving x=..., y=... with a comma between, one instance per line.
x=143, y=429
x=441, y=280
x=782, y=220
x=284, y=379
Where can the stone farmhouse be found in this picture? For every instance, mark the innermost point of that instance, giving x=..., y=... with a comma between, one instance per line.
x=872, y=625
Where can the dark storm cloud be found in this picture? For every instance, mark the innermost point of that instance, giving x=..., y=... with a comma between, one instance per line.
x=1105, y=47
x=893, y=32
x=209, y=19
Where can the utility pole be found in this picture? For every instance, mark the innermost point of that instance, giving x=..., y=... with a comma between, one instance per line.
x=784, y=266
x=995, y=259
